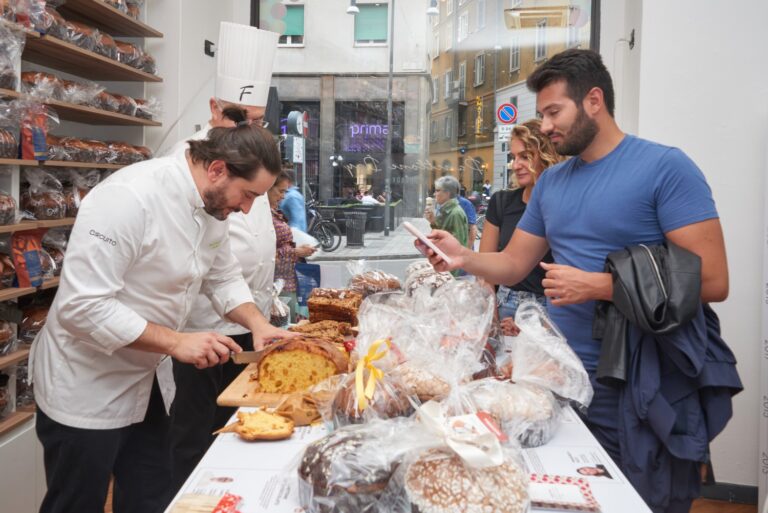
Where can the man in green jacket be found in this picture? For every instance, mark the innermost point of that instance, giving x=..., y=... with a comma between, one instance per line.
x=450, y=216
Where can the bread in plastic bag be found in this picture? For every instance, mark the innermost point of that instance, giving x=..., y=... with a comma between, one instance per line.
x=125, y=104
x=28, y=13
x=8, y=341
x=368, y=282
x=81, y=35
x=422, y=277
x=120, y=5
x=129, y=54
x=148, y=108
x=41, y=85
x=81, y=93
x=43, y=198
x=32, y=322
x=6, y=399
x=7, y=271
x=349, y=469
x=133, y=8
x=525, y=412
x=13, y=44
x=8, y=213
x=25, y=394
x=541, y=355
x=106, y=101
x=279, y=312
x=105, y=45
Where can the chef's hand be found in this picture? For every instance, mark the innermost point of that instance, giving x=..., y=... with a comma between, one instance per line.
x=509, y=328
x=566, y=285
x=204, y=349
x=266, y=333
x=448, y=245
x=304, y=251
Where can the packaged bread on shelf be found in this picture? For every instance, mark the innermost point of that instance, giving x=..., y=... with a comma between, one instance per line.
x=41, y=85
x=129, y=54
x=334, y=305
x=81, y=92
x=7, y=209
x=105, y=45
x=8, y=341
x=32, y=322
x=296, y=364
x=43, y=198
x=133, y=8
x=148, y=108
x=7, y=271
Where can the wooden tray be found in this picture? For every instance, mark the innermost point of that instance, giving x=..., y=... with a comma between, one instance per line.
x=242, y=392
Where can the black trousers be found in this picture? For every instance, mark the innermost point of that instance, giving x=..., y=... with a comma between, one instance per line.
x=195, y=415
x=79, y=464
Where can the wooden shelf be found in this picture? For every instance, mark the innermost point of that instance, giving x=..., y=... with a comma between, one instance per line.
x=90, y=165
x=55, y=223
x=50, y=284
x=22, y=226
x=86, y=114
x=54, y=53
x=104, y=16
x=15, y=292
x=13, y=420
x=14, y=358
x=17, y=162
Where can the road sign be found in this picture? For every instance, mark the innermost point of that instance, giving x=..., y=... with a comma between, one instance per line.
x=298, y=150
x=298, y=123
x=505, y=129
x=507, y=113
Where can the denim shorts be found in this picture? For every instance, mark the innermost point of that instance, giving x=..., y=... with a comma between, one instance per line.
x=509, y=300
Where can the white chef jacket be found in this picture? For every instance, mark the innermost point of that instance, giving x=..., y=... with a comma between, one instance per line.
x=253, y=242
x=142, y=249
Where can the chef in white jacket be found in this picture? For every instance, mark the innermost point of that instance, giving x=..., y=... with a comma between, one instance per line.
x=147, y=241
x=245, y=56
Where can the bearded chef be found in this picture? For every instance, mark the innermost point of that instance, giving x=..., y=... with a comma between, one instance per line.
x=244, y=68
x=146, y=242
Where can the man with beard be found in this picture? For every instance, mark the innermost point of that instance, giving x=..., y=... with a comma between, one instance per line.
x=146, y=242
x=618, y=190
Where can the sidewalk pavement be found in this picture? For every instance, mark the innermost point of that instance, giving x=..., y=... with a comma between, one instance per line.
x=398, y=245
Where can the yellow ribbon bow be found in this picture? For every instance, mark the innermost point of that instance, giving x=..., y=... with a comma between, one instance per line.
x=365, y=392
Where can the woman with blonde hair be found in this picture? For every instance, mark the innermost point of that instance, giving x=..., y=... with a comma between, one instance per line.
x=532, y=152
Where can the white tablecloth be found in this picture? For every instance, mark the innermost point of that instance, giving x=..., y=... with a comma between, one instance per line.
x=263, y=473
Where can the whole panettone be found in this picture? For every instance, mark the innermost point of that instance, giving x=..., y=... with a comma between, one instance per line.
x=32, y=322
x=373, y=282
x=58, y=258
x=105, y=45
x=7, y=338
x=7, y=209
x=7, y=271
x=334, y=479
x=9, y=146
x=440, y=482
x=44, y=84
x=44, y=205
x=128, y=54
x=80, y=34
x=125, y=104
x=390, y=400
x=294, y=365
x=420, y=382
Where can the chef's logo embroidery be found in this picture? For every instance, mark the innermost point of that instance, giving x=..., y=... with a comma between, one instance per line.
x=103, y=237
x=215, y=245
x=244, y=91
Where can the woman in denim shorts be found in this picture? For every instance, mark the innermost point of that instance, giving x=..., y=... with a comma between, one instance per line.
x=531, y=153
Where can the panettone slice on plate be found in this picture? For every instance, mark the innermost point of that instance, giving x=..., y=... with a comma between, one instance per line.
x=294, y=365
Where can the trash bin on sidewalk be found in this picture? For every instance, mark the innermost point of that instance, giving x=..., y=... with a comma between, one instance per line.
x=355, y=228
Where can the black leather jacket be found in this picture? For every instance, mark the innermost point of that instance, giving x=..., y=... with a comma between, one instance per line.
x=656, y=289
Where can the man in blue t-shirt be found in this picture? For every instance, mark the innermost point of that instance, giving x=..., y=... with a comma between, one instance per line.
x=617, y=190
x=294, y=208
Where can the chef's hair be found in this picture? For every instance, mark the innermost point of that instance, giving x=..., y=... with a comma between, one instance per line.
x=245, y=149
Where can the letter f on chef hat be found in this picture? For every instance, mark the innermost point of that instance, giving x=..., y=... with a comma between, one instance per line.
x=244, y=64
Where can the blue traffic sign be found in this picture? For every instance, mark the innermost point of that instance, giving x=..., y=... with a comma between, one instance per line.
x=507, y=113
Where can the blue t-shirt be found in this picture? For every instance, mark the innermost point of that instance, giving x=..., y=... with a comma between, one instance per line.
x=468, y=208
x=633, y=195
x=294, y=209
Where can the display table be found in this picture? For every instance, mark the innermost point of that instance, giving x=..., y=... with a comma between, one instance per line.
x=263, y=473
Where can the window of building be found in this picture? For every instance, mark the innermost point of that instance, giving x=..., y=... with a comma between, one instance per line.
x=479, y=69
x=448, y=35
x=447, y=127
x=371, y=24
x=540, y=48
x=462, y=122
x=480, y=14
x=294, y=26
x=462, y=80
x=448, y=83
x=433, y=131
x=436, y=44
x=435, y=89
x=514, y=53
x=463, y=26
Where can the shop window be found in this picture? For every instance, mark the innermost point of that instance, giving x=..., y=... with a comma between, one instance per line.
x=514, y=53
x=371, y=24
x=479, y=69
x=540, y=48
x=294, y=26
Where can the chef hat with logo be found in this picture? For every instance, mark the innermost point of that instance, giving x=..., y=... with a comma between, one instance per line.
x=244, y=64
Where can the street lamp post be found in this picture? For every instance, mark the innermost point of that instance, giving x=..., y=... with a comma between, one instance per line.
x=353, y=9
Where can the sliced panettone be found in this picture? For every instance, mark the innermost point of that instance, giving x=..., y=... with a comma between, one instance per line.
x=260, y=425
x=296, y=364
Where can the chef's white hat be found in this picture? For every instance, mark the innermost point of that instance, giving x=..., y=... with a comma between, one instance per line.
x=244, y=64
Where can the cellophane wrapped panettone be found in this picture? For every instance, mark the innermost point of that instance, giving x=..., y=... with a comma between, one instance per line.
x=422, y=278
x=370, y=281
x=43, y=198
x=349, y=469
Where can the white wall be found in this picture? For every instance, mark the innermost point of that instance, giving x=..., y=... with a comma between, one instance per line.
x=698, y=81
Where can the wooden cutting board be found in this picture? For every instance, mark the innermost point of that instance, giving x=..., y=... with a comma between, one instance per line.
x=242, y=392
